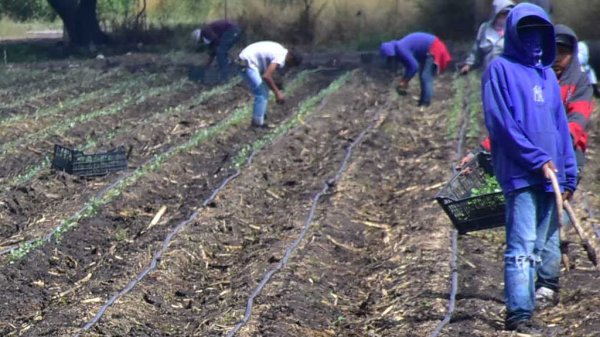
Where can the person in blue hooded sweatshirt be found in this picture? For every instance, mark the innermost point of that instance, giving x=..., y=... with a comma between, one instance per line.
x=529, y=135
x=418, y=52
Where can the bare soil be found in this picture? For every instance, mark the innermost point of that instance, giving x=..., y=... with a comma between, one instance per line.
x=375, y=260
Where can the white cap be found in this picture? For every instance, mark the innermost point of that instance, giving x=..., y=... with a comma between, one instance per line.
x=196, y=34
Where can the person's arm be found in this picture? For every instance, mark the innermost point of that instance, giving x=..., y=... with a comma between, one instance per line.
x=579, y=108
x=411, y=65
x=211, y=58
x=567, y=149
x=209, y=34
x=474, y=58
x=268, y=78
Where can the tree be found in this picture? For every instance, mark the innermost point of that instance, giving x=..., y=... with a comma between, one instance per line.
x=80, y=21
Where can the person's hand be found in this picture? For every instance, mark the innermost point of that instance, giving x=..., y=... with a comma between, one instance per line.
x=464, y=161
x=567, y=195
x=279, y=98
x=465, y=69
x=402, y=87
x=548, y=166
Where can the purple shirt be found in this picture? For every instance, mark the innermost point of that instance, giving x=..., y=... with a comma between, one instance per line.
x=215, y=30
x=411, y=50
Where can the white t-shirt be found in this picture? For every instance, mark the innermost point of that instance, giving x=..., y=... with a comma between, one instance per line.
x=260, y=54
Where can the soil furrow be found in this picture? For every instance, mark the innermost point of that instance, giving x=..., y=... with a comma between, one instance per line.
x=111, y=266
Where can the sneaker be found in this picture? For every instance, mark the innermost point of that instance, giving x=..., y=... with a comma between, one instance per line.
x=527, y=326
x=546, y=297
x=261, y=126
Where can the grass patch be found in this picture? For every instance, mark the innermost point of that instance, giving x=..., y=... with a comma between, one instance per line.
x=10, y=29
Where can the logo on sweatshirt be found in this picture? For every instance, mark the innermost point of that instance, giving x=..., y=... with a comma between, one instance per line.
x=538, y=95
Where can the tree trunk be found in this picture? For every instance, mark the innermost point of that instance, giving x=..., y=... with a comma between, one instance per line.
x=80, y=21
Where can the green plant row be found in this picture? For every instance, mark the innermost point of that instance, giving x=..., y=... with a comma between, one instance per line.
x=458, y=86
x=43, y=92
x=113, y=109
x=476, y=118
x=305, y=108
x=119, y=87
x=91, y=143
x=94, y=204
x=10, y=76
x=40, y=83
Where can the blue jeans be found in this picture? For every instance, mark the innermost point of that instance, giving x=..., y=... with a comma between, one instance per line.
x=261, y=94
x=531, y=248
x=228, y=40
x=428, y=70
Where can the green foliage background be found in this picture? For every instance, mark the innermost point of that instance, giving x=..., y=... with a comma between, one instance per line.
x=321, y=21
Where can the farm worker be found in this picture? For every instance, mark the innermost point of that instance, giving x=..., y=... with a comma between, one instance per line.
x=576, y=97
x=259, y=62
x=489, y=42
x=584, y=59
x=576, y=93
x=529, y=136
x=220, y=36
x=421, y=52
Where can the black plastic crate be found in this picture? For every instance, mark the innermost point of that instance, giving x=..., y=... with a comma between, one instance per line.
x=472, y=213
x=89, y=165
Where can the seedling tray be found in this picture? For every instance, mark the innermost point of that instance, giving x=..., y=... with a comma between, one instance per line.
x=89, y=165
x=469, y=212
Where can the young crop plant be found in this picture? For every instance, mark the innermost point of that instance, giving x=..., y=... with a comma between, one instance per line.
x=475, y=107
x=118, y=88
x=43, y=93
x=488, y=196
x=305, y=109
x=458, y=86
x=490, y=185
x=91, y=143
x=113, y=109
x=94, y=205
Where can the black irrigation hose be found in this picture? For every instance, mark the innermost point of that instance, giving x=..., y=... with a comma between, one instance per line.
x=158, y=254
x=454, y=286
x=454, y=258
x=327, y=185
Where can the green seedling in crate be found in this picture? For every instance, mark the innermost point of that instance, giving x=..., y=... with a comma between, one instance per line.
x=490, y=185
x=486, y=198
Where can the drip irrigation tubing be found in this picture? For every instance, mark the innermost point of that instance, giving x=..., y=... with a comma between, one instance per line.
x=158, y=254
x=100, y=195
x=454, y=240
x=453, y=286
x=327, y=185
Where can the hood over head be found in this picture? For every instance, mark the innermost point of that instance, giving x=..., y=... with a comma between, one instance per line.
x=387, y=49
x=545, y=4
x=566, y=35
x=500, y=5
x=529, y=37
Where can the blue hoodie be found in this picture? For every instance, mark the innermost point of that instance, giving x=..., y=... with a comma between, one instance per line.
x=523, y=111
x=412, y=50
